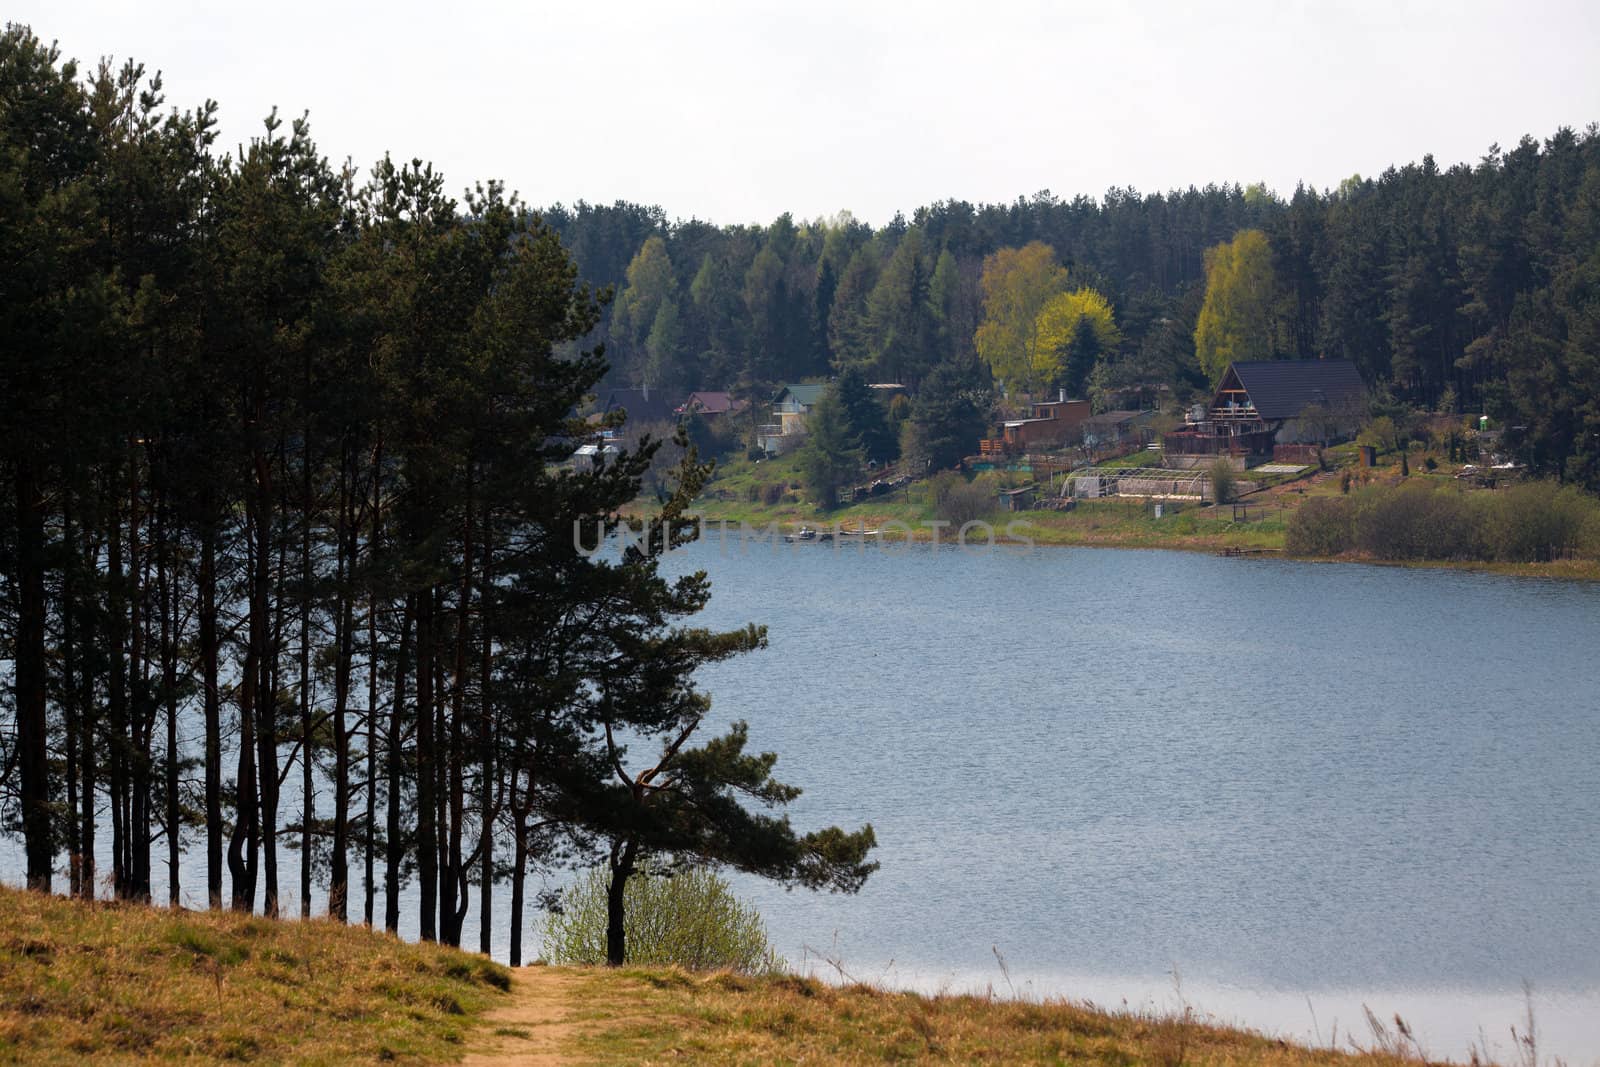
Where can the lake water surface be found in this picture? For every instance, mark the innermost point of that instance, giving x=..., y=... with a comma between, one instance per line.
x=1297, y=788
x=1282, y=780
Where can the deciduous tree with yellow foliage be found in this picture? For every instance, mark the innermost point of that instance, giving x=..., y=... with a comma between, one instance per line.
x=1075, y=330
x=1017, y=284
x=1237, y=320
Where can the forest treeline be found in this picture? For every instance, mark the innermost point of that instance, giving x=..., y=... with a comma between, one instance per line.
x=1468, y=289
x=290, y=558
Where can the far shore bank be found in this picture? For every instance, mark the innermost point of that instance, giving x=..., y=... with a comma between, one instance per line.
x=1263, y=539
x=761, y=495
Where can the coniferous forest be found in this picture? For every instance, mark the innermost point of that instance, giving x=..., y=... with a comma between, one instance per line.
x=1474, y=289
x=290, y=557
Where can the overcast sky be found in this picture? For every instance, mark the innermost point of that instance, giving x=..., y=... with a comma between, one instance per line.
x=735, y=112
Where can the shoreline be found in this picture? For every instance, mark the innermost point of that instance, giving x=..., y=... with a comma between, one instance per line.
x=1219, y=544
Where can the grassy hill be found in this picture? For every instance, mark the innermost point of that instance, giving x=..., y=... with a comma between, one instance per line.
x=123, y=983
x=113, y=983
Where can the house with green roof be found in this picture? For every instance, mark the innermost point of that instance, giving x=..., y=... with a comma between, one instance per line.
x=790, y=406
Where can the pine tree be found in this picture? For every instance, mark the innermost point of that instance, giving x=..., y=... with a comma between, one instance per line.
x=949, y=415
x=688, y=805
x=864, y=416
x=832, y=455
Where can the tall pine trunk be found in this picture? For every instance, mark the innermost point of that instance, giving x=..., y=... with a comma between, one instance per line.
x=270, y=591
x=519, y=876
x=169, y=693
x=32, y=747
x=70, y=705
x=211, y=700
x=137, y=823
x=116, y=697
x=245, y=842
x=372, y=683
x=427, y=773
x=339, y=886
x=453, y=897
x=308, y=804
x=486, y=760
x=394, y=757
x=622, y=860
x=88, y=717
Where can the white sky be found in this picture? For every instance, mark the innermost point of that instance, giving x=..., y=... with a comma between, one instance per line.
x=735, y=112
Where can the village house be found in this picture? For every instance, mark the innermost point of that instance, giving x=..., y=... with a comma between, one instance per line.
x=710, y=405
x=1261, y=404
x=790, y=407
x=1052, y=423
x=644, y=405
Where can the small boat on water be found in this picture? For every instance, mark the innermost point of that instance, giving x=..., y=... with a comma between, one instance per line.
x=806, y=533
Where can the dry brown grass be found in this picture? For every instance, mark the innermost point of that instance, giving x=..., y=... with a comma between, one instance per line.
x=111, y=984
x=668, y=1016
x=117, y=984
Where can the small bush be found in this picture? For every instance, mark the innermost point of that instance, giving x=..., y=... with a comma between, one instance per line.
x=959, y=502
x=1538, y=521
x=690, y=919
x=772, y=493
x=1323, y=526
x=1223, y=479
x=1417, y=521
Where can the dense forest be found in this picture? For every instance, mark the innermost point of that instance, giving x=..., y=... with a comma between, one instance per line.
x=289, y=557
x=1471, y=289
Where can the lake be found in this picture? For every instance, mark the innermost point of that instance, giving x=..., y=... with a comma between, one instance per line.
x=1274, y=791
x=1282, y=780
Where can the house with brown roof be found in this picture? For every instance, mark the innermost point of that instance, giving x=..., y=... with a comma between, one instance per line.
x=711, y=404
x=1051, y=423
x=1262, y=403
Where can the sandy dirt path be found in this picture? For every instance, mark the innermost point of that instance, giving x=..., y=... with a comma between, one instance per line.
x=532, y=1028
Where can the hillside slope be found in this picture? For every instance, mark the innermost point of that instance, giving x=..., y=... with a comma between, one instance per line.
x=115, y=983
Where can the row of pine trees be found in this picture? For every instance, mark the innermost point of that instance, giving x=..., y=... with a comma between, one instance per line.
x=291, y=558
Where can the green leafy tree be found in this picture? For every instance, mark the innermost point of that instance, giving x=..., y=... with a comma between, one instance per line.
x=674, y=918
x=661, y=364
x=716, y=323
x=1017, y=285
x=954, y=299
x=649, y=351
x=1075, y=330
x=1237, y=320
